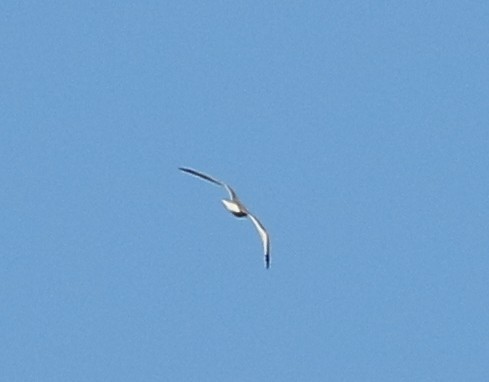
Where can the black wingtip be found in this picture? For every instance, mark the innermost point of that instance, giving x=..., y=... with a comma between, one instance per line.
x=200, y=175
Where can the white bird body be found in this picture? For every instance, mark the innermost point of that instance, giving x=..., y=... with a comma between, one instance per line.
x=237, y=208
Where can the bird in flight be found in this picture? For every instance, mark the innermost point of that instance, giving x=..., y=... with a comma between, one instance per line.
x=237, y=208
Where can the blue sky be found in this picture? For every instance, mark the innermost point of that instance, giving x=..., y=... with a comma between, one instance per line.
x=357, y=132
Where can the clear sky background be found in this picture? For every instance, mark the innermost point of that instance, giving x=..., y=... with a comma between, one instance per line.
x=358, y=132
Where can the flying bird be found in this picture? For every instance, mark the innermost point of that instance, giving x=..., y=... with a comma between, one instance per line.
x=236, y=207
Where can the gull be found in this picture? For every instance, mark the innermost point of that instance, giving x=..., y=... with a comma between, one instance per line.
x=236, y=207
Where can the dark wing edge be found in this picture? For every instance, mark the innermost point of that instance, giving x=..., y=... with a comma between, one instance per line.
x=200, y=175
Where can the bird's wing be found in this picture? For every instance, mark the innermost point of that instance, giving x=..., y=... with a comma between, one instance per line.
x=264, y=237
x=231, y=192
x=201, y=175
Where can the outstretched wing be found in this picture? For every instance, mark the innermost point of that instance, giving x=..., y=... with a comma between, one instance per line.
x=201, y=175
x=265, y=238
x=232, y=193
